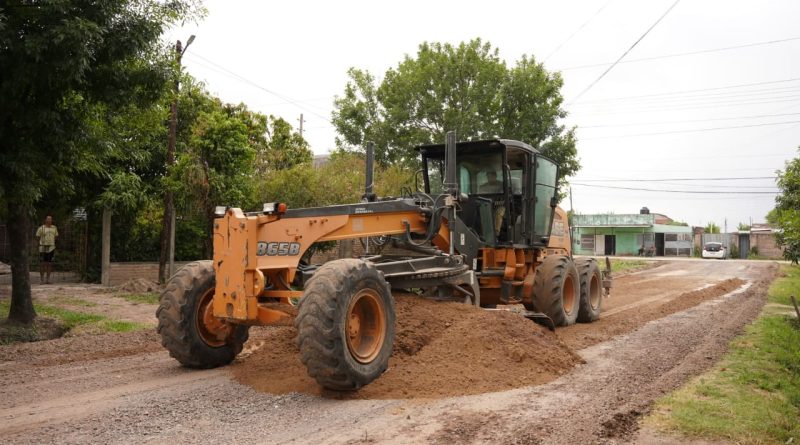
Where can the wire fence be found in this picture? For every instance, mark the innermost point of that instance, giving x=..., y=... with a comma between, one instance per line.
x=71, y=246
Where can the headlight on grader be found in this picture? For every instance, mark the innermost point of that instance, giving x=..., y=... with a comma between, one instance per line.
x=274, y=207
x=219, y=211
x=269, y=207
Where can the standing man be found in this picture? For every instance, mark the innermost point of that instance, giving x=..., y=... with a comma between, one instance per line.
x=47, y=234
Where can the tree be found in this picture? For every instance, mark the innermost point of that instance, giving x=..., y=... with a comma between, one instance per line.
x=339, y=181
x=712, y=227
x=98, y=59
x=284, y=147
x=786, y=215
x=742, y=227
x=466, y=88
x=218, y=164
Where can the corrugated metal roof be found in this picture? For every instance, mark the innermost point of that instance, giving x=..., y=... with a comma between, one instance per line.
x=613, y=220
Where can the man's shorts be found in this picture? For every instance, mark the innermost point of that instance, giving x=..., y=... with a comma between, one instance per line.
x=47, y=257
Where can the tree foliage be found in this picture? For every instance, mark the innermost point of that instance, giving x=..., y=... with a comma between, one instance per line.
x=786, y=214
x=712, y=228
x=339, y=181
x=284, y=148
x=65, y=66
x=466, y=88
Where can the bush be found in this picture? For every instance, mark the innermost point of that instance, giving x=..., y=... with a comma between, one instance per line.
x=734, y=251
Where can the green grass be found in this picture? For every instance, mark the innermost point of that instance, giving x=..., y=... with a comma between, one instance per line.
x=146, y=297
x=77, y=322
x=753, y=395
x=619, y=265
x=72, y=301
x=788, y=285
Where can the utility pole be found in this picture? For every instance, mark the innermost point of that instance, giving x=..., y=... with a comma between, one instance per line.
x=301, y=124
x=168, y=223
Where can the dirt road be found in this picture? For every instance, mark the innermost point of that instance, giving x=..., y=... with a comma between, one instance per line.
x=660, y=327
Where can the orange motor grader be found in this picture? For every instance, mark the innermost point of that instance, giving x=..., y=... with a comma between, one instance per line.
x=483, y=226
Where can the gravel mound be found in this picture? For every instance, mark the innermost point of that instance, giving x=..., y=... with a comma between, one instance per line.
x=138, y=286
x=441, y=350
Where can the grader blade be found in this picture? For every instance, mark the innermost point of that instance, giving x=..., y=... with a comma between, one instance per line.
x=540, y=318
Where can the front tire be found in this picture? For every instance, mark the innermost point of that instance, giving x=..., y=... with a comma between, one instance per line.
x=345, y=324
x=189, y=331
x=556, y=289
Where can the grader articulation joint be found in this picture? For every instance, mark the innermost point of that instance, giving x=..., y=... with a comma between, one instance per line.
x=483, y=229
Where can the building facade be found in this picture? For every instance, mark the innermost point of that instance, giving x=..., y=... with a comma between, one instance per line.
x=649, y=234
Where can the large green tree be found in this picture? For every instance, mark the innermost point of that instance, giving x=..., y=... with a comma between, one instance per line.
x=284, y=147
x=63, y=63
x=466, y=88
x=786, y=214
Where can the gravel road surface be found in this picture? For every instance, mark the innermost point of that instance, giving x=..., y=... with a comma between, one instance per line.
x=660, y=327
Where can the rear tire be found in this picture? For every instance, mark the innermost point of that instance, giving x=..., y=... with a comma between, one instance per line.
x=345, y=324
x=591, y=290
x=188, y=332
x=556, y=290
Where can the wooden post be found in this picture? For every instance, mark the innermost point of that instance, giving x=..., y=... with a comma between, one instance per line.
x=796, y=308
x=105, y=268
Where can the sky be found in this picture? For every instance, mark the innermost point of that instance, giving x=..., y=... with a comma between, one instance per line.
x=723, y=119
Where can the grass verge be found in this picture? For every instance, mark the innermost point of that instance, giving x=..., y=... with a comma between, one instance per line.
x=622, y=265
x=54, y=322
x=753, y=395
x=145, y=297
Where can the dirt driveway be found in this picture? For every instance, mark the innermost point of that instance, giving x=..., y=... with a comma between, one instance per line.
x=660, y=327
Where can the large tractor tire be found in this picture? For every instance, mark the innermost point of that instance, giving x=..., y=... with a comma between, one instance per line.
x=188, y=329
x=591, y=290
x=556, y=290
x=345, y=324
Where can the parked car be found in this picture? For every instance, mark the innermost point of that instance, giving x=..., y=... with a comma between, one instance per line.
x=715, y=250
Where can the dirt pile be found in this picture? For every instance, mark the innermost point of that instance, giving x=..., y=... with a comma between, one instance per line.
x=440, y=350
x=138, y=286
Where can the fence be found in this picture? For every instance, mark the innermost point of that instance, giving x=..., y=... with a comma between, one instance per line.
x=70, y=247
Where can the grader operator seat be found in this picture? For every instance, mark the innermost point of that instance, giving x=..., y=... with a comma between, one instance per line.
x=507, y=190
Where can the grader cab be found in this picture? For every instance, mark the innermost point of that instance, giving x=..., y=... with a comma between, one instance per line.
x=483, y=228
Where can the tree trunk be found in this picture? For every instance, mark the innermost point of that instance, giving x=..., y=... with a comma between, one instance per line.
x=19, y=229
x=208, y=241
x=105, y=256
x=162, y=259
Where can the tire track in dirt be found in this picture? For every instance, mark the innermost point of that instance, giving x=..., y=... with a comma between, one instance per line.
x=632, y=316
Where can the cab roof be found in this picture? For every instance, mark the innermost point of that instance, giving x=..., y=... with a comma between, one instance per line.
x=435, y=149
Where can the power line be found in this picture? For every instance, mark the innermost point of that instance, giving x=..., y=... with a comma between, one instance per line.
x=693, y=131
x=703, y=192
x=683, y=107
x=680, y=179
x=682, y=198
x=626, y=52
x=742, y=85
x=756, y=116
x=577, y=31
x=677, y=99
x=251, y=83
x=690, y=53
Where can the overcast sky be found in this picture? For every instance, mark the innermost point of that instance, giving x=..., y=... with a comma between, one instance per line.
x=288, y=58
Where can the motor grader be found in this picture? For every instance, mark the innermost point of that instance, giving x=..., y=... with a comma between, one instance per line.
x=483, y=227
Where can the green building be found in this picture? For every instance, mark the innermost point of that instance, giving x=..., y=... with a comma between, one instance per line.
x=630, y=234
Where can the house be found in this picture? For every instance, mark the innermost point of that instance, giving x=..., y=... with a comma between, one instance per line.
x=630, y=234
x=759, y=240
